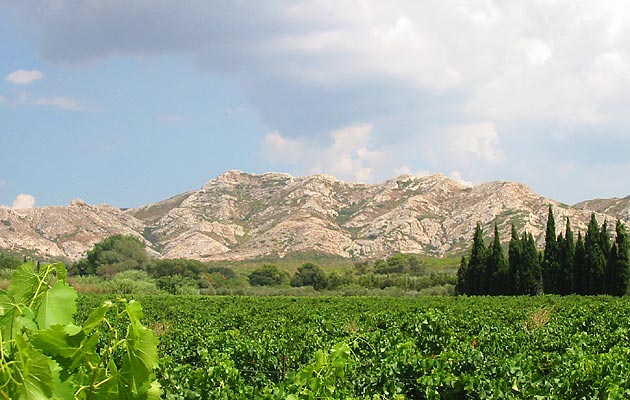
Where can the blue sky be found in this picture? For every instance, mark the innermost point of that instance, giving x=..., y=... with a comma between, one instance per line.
x=128, y=103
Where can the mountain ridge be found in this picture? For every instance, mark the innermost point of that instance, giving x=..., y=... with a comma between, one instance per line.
x=239, y=215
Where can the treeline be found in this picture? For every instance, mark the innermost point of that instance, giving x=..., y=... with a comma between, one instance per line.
x=403, y=271
x=593, y=264
x=121, y=264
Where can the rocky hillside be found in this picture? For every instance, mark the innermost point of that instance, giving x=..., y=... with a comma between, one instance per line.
x=240, y=216
x=619, y=208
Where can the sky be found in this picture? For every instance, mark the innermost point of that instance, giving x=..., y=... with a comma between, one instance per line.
x=128, y=103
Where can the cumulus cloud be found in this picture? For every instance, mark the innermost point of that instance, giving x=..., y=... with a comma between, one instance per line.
x=23, y=201
x=450, y=86
x=347, y=155
x=457, y=176
x=478, y=140
x=23, y=77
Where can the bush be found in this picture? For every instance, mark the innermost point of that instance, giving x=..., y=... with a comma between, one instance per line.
x=178, y=284
x=131, y=282
x=310, y=274
x=268, y=275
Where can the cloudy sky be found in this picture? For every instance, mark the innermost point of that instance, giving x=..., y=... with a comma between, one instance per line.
x=129, y=102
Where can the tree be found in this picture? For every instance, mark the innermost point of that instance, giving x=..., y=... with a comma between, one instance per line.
x=515, y=251
x=267, y=275
x=551, y=264
x=463, y=277
x=594, y=258
x=496, y=267
x=566, y=256
x=176, y=266
x=530, y=279
x=580, y=275
x=8, y=261
x=114, y=254
x=618, y=275
x=310, y=274
x=477, y=263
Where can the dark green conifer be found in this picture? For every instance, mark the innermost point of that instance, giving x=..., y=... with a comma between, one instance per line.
x=566, y=257
x=594, y=258
x=477, y=263
x=463, y=279
x=514, y=262
x=550, y=264
x=496, y=268
x=604, y=239
x=618, y=275
x=530, y=280
x=580, y=274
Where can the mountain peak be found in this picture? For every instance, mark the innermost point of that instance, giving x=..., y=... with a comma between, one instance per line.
x=239, y=215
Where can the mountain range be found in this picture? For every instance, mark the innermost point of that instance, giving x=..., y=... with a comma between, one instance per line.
x=240, y=216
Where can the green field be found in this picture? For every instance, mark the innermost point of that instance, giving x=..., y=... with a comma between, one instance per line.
x=384, y=348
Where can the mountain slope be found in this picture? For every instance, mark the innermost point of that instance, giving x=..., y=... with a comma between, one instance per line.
x=242, y=216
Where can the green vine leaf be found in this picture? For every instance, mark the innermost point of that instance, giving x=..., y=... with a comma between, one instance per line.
x=58, y=306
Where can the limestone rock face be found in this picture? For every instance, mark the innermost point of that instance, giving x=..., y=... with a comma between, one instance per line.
x=239, y=216
x=619, y=208
x=63, y=232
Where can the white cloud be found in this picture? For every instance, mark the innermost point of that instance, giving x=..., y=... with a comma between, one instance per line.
x=457, y=176
x=23, y=201
x=348, y=155
x=3, y=184
x=406, y=170
x=23, y=77
x=479, y=140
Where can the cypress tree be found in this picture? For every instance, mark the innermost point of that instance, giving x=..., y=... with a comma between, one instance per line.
x=619, y=273
x=514, y=263
x=550, y=264
x=531, y=279
x=604, y=239
x=566, y=255
x=580, y=276
x=496, y=269
x=594, y=258
x=477, y=263
x=462, y=277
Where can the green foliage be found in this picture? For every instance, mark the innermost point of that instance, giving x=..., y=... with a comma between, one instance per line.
x=45, y=355
x=115, y=254
x=131, y=282
x=178, y=284
x=399, y=264
x=178, y=266
x=310, y=274
x=268, y=275
x=566, y=261
x=551, y=257
x=8, y=261
x=618, y=274
x=594, y=258
x=537, y=347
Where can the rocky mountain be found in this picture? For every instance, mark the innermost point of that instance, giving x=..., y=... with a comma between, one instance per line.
x=242, y=216
x=619, y=208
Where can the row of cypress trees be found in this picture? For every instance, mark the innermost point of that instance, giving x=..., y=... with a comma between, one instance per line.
x=594, y=264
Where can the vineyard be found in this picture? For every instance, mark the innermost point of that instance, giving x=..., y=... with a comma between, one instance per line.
x=389, y=348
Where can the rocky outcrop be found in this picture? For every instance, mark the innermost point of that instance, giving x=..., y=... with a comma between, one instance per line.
x=619, y=208
x=63, y=232
x=239, y=216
